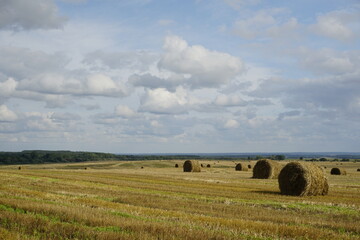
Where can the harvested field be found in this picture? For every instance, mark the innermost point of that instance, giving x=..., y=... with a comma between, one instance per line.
x=119, y=200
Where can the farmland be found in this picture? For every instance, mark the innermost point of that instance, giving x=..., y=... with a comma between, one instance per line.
x=155, y=200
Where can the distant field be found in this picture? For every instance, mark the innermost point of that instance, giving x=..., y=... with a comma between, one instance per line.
x=121, y=200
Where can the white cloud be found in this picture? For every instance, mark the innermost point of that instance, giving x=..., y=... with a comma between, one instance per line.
x=162, y=101
x=284, y=30
x=231, y=123
x=151, y=81
x=328, y=61
x=6, y=115
x=137, y=60
x=100, y=84
x=336, y=25
x=203, y=67
x=250, y=28
x=34, y=14
x=226, y=100
x=273, y=23
x=7, y=88
x=124, y=111
x=36, y=121
x=21, y=63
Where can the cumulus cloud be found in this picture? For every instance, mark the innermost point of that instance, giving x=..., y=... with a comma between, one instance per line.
x=103, y=85
x=314, y=96
x=288, y=114
x=225, y=100
x=56, y=89
x=124, y=111
x=7, y=88
x=21, y=63
x=267, y=23
x=138, y=60
x=204, y=68
x=251, y=27
x=161, y=101
x=150, y=81
x=231, y=123
x=60, y=117
x=6, y=115
x=336, y=24
x=26, y=15
x=328, y=61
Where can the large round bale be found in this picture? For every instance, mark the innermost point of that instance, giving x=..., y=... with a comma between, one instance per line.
x=209, y=166
x=192, y=166
x=358, y=169
x=266, y=169
x=241, y=167
x=249, y=166
x=176, y=165
x=303, y=179
x=337, y=171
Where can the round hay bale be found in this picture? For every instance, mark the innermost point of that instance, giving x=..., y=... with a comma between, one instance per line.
x=249, y=166
x=241, y=167
x=19, y=168
x=358, y=169
x=192, y=166
x=202, y=165
x=303, y=179
x=142, y=167
x=337, y=171
x=176, y=165
x=85, y=168
x=266, y=169
x=208, y=165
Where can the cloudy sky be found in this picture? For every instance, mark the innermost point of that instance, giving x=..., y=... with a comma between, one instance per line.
x=180, y=76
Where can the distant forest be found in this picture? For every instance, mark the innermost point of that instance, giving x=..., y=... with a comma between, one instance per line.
x=40, y=156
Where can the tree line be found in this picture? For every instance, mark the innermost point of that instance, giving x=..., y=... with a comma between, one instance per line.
x=39, y=156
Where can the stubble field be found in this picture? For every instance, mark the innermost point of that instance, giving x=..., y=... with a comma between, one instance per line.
x=121, y=200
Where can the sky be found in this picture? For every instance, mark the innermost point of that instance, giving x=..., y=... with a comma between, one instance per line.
x=180, y=76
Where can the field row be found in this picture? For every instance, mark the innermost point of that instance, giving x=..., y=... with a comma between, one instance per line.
x=108, y=202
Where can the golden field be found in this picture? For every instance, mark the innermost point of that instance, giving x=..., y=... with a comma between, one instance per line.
x=121, y=200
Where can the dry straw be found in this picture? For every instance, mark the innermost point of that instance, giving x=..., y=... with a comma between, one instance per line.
x=337, y=171
x=240, y=167
x=266, y=169
x=303, y=179
x=192, y=166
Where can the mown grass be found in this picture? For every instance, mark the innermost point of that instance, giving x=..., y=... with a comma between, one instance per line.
x=119, y=200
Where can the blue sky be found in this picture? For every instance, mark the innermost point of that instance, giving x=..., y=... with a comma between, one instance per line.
x=147, y=76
